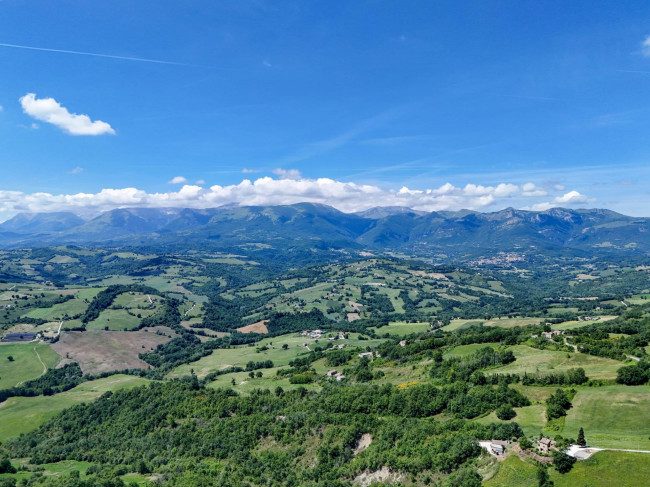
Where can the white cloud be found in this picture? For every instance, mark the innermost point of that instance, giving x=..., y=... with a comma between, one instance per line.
x=559, y=187
x=567, y=199
x=529, y=189
x=346, y=196
x=50, y=111
x=76, y=170
x=287, y=173
x=177, y=180
x=645, y=47
x=200, y=181
x=249, y=171
x=573, y=197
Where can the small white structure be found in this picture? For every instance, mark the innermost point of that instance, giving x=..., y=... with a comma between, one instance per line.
x=365, y=354
x=497, y=449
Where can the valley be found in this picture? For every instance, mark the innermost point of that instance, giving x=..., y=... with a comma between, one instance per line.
x=470, y=348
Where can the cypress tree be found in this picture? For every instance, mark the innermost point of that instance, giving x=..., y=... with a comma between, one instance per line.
x=581, y=438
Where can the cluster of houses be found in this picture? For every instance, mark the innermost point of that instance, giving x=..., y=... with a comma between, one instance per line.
x=315, y=334
x=369, y=354
x=588, y=318
x=549, y=334
x=335, y=375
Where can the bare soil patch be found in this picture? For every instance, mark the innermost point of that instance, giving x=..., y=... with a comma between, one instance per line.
x=383, y=475
x=353, y=317
x=363, y=443
x=433, y=275
x=259, y=327
x=99, y=351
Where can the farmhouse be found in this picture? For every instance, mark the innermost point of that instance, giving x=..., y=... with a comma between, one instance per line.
x=550, y=334
x=20, y=337
x=365, y=354
x=544, y=445
x=332, y=373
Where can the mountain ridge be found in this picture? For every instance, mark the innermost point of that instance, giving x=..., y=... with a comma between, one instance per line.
x=382, y=228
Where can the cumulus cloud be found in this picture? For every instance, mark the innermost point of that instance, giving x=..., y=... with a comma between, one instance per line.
x=50, y=111
x=346, y=196
x=567, y=199
x=287, y=173
x=572, y=197
x=529, y=189
x=177, y=180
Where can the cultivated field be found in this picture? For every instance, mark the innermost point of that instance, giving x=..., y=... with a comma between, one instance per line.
x=101, y=351
x=259, y=327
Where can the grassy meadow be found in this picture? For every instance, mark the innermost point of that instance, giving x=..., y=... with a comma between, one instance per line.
x=534, y=361
x=23, y=414
x=31, y=360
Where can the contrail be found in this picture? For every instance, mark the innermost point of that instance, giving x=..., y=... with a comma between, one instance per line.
x=124, y=58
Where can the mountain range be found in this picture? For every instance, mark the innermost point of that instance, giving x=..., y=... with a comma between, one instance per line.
x=458, y=233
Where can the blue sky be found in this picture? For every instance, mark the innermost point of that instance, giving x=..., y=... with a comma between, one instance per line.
x=434, y=105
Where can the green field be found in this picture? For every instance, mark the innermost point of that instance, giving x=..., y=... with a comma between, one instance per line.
x=512, y=322
x=513, y=472
x=532, y=419
x=402, y=328
x=22, y=414
x=244, y=384
x=464, y=350
x=239, y=356
x=459, y=324
x=114, y=319
x=533, y=361
x=604, y=469
x=71, y=307
x=571, y=325
x=58, y=469
x=615, y=416
x=26, y=364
